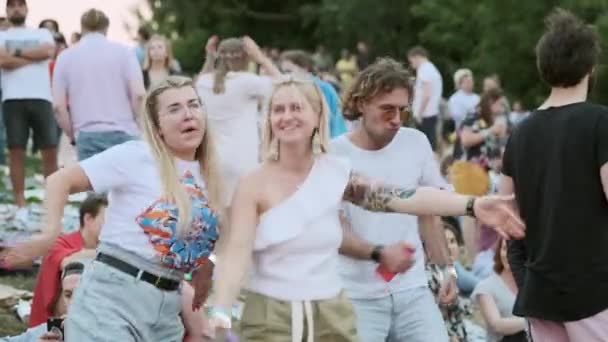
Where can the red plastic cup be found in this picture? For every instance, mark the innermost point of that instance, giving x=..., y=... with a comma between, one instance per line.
x=387, y=275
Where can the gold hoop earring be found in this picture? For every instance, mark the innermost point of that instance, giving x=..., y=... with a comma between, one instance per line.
x=274, y=150
x=316, y=142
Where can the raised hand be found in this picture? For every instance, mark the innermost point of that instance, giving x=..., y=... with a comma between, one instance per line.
x=211, y=46
x=252, y=49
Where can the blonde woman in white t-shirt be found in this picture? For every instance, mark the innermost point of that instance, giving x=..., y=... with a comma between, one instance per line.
x=232, y=96
x=162, y=221
x=285, y=218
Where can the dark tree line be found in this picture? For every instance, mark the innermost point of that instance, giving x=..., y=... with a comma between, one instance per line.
x=490, y=36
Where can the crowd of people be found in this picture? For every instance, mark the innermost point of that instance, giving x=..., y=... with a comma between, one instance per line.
x=343, y=201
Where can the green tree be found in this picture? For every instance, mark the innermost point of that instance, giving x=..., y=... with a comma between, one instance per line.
x=287, y=23
x=491, y=36
x=497, y=36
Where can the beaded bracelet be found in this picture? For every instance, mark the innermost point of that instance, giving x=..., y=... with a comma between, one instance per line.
x=222, y=315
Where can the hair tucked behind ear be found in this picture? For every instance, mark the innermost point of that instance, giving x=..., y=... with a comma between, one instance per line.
x=231, y=56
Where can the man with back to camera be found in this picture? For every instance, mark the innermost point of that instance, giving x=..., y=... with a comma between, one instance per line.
x=102, y=83
x=556, y=164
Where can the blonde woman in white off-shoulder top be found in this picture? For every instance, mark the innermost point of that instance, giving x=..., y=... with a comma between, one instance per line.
x=285, y=218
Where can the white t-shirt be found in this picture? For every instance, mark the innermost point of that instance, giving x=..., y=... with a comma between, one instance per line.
x=495, y=287
x=32, y=81
x=427, y=72
x=233, y=118
x=407, y=161
x=137, y=216
x=462, y=104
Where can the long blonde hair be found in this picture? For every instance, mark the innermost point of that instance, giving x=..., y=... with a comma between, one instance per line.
x=170, y=179
x=168, y=60
x=231, y=56
x=315, y=98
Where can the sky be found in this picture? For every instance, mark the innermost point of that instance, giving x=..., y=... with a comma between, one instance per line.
x=68, y=12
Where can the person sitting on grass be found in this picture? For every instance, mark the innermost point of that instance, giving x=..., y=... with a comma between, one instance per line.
x=70, y=278
x=66, y=249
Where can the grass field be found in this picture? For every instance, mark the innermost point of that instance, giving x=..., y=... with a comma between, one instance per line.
x=10, y=324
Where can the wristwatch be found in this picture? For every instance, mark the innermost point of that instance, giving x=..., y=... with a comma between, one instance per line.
x=376, y=253
x=223, y=317
x=17, y=52
x=470, y=209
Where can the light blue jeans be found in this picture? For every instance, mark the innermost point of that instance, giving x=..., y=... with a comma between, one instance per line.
x=410, y=315
x=89, y=144
x=466, y=281
x=110, y=305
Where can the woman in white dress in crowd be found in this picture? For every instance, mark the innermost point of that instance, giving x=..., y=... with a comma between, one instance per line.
x=232, y=96
x=285, y=224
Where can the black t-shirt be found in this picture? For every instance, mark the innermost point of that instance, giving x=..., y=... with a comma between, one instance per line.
x=554, y=158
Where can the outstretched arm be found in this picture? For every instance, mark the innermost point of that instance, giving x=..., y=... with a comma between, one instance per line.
x=375, y=196
x=58, y=187
x=495, y=211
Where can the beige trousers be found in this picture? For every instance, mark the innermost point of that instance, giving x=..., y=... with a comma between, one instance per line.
x=267, y=319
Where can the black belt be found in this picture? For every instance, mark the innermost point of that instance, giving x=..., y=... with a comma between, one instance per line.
x=162, y=283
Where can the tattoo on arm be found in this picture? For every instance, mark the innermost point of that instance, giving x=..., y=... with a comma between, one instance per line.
x=373, y=196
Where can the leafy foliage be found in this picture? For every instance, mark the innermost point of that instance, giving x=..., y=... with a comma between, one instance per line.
x=491, y=36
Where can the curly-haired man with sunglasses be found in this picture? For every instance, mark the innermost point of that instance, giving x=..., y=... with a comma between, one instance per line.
x=401, y=308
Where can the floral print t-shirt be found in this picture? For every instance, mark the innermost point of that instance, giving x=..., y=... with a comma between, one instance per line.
x=140, y=219
x=487, y=154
